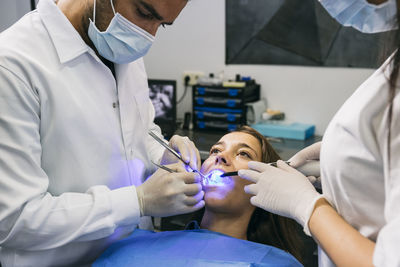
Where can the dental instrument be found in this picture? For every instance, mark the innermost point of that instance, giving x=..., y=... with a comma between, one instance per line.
x=166, y=146
x=165, y=168
x=310, y=168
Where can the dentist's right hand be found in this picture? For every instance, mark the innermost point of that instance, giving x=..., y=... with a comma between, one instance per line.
x=166, y=194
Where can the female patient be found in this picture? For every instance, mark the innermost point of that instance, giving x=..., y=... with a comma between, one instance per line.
x=231, y=221
x=228, y=209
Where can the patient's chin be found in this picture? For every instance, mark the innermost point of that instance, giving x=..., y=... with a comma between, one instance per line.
x=216, y=199
x=218, y=193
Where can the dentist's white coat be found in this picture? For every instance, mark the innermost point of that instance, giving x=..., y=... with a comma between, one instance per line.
x=68, y=158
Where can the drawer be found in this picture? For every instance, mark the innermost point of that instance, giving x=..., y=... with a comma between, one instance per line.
x=213, y=125
x=218, y=102
x=214, y=116
x=221, y=92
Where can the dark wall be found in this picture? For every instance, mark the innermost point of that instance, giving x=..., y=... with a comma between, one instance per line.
x=297, y=32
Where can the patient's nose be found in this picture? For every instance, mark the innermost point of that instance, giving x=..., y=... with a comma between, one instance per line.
x=222, y=159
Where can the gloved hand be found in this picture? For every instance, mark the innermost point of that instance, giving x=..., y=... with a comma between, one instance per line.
x=309, y=153
x=166, y=194
x=315, y=181
x=186, y=148
x=281, y=190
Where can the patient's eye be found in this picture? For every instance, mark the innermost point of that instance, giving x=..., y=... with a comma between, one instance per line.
x=214, y=150
x=245, y=154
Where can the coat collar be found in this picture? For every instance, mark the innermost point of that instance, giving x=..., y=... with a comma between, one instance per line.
x=66, y=40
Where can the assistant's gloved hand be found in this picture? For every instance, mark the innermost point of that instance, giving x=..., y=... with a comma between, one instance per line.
x=166, y=194
x=281, y=190
x=186, y=148
x=309, y=153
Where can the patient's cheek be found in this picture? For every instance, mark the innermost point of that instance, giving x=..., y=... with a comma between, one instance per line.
x=206, y=164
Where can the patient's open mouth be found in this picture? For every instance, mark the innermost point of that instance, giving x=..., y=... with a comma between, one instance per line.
x=214, y=178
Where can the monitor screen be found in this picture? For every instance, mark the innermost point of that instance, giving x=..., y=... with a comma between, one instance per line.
x=163, y=95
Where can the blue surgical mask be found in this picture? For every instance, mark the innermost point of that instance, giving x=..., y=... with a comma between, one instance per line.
x=363, y=16
x=122, y=42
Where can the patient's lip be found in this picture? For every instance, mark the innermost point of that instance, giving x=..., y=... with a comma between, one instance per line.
x=214, y=180
x=220, y=169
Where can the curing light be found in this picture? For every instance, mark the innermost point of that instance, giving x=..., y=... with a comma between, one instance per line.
x=214, y=179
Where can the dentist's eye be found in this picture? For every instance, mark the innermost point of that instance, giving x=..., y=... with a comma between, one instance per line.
x=144, y=15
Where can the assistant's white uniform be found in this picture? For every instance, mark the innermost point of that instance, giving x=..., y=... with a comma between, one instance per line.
x=356, y=177
x=69, y=154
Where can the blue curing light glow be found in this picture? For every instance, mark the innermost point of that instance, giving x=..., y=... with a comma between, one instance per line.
x=214, y=179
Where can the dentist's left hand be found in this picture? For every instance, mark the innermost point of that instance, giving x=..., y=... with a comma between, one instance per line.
x=186, y=148
x=166, y=194
x=281, y=190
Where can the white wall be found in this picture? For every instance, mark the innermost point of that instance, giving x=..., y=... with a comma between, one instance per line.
x=196, y=41
x=11, y=11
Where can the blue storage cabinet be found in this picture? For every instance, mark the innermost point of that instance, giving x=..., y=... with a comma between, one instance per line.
x=222, y=108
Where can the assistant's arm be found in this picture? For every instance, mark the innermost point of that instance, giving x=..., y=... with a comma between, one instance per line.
x=344, y=244
x=30, y=217
x=287, y=192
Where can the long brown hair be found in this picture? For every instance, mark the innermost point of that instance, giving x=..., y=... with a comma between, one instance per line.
x=268, y=228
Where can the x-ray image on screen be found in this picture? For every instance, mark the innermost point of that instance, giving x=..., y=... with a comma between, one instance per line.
x=162, y=96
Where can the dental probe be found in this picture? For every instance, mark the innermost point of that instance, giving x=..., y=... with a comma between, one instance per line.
x=310, y=168
x=166, y=146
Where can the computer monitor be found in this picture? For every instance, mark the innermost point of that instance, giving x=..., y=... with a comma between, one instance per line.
x=163, y=95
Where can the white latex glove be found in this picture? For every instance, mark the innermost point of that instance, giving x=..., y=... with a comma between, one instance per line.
x=281, y=190
x=166, y=194
x=309, y=153
x=186, y=148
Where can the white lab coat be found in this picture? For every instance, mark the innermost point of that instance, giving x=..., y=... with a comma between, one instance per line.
x=356, y=178
x=68, y=158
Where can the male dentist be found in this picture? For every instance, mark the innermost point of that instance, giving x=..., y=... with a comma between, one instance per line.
x=74, y=117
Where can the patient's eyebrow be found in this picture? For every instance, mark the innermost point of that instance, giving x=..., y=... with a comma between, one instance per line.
x=219, y=143
x=239, y=145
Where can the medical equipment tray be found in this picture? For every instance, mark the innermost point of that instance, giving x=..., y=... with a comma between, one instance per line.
x=222, y=108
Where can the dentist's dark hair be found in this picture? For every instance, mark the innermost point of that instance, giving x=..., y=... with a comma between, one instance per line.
x=268, y=228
